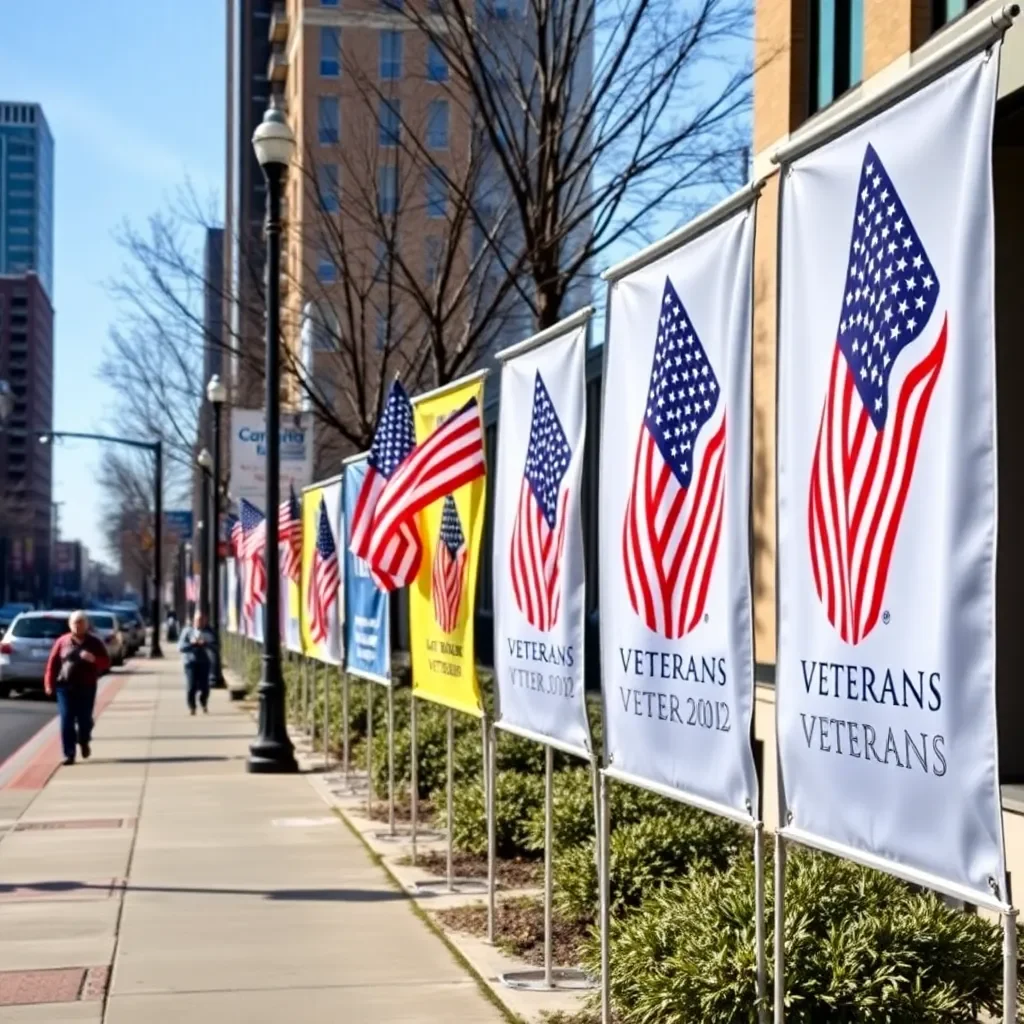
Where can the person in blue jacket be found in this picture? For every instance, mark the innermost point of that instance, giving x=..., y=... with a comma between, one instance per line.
x=199, y=647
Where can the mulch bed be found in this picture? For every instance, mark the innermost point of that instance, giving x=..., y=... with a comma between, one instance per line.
x=519, y=927
x=403, y=812
x=513, y=874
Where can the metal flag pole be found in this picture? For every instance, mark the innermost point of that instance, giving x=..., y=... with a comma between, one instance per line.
x=314, y=695
x=490, y=774
x=780, y=929
x=1010, y=966
x=604, y=907
x=451, y=799
x=414, y=774
x=344, y=726
x=391, y=759
x=549, y=770
x=759, y=940
x=305, y=690
x=369, y=749
x=327, y=719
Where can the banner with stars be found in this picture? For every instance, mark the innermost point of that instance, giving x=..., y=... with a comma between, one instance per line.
x=321, y=540
x=538, y=568
x=442, y=598
x=887, y=492
x=676, y=641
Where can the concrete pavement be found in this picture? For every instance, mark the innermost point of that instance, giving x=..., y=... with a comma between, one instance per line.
x=158, y=882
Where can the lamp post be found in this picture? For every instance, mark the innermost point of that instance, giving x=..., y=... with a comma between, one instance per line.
x=157, y=448
x=205, y=462
x=216, y=395
x=272, y=750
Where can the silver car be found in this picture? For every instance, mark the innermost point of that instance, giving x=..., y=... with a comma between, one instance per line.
x=107, y=627
x=26, y=648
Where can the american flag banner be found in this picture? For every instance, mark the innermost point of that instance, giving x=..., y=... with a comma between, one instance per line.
x=673, y=518
x=253, y=546
x=443, y=480
x=393, y=442
x=324, y=578
x=674, y=513
x=233, y=534
x=886, y=490
x=289, y=532
x=449, y=568
x=449, y=458
x=538, y=535
x=538, y=556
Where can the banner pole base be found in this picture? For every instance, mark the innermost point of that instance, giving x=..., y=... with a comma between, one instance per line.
x=604, y=908
x=391, y=760
x=780, y=929
x=1010, y=966
x=759, y=923
x=414, y=775
x=451, y=799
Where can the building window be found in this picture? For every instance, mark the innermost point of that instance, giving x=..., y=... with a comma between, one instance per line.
x=437, y=124
x=328, y=120
x=382, y=331
x=945, y=11
x=437, y=193
x=326, y=271
x=837, y=49
x=380, y=260
x=390, y=122
x=327, y=179
x=437, y=66
x=330, y=52
x=390, y=55
x=433, y=250
x=328, y=3
x=391, y=5
x=387, y=191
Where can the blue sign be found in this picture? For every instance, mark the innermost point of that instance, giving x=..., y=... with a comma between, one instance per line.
x=179, y=522
x=367, y=633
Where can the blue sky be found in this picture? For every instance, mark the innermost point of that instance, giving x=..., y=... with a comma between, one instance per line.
x=134, y=94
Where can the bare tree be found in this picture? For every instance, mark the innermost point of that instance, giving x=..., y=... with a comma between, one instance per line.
x=602, y=117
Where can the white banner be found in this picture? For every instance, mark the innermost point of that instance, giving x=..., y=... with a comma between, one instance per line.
x=676, y=641
x=249, y=454
x=886, y=488
x=539, y=599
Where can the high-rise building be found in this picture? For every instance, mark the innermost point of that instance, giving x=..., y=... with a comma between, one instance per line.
x=248, y=93
x=26, y=192
x=26, y=362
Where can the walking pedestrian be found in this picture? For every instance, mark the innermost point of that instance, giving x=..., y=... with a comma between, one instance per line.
x=199, y=647
x=77, y=660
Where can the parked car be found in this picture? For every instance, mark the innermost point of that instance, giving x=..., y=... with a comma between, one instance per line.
x=107, y=627
x=132, y=626
x=25, y=649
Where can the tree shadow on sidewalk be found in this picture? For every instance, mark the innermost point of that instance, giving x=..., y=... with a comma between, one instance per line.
x=284, y=895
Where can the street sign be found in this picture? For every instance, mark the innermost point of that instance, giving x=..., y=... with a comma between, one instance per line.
x=179, y=523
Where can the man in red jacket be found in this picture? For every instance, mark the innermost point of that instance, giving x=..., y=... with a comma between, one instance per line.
x=77, y=661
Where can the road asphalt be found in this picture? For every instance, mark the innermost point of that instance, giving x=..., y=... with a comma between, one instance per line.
x=20, y=719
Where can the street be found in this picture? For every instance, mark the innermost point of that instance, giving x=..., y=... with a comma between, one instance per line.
x=20, y=719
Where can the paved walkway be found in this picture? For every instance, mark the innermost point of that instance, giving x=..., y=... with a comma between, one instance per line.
x=159, y=882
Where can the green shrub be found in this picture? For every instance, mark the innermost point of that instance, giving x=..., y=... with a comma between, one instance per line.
x=645, y=855
x=861, y=948
x=572, y=807
x=518, y=796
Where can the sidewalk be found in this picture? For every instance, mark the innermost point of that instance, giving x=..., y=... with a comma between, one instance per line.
x=159, y=882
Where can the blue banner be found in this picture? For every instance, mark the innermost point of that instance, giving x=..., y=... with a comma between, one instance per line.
x=179, y=523
x=367, y=632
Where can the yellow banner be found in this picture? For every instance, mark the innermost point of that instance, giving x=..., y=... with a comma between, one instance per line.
x=442, y=600
x=329, y=649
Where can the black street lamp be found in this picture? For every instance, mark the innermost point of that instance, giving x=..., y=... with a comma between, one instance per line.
x=272, y=750
x=216, y=395
x=205, y=461
x=157, y=448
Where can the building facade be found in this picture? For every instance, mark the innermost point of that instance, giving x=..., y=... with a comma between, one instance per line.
x=247, y=94
x=26, y=492
x=26, y=192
